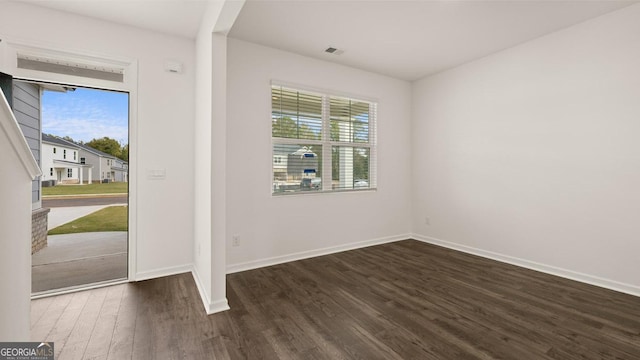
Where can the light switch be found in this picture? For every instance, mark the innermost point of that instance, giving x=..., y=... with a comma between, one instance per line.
x=156, y=174
x=173, y=67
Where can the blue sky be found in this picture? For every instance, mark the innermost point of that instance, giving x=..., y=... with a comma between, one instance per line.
x=86, y=114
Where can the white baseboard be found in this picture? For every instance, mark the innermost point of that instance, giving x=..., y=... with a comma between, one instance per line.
x=218, y=306
x=209, y=306
x=548, y=269
x=250, y=265
x=201, y=289
x=168, y=271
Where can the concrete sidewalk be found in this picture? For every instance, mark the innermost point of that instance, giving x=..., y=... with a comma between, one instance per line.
x=62, y=215
x=79, y=259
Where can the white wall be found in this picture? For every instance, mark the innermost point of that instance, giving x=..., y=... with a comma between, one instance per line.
x=165, y=130
x=531, y=155
x=210, y=145
x=202, y=144
x=15, y=239
x=15, y=228
x=275, y=229
x=219, y=166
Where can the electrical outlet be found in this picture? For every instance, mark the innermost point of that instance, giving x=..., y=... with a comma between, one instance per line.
x=427, y=220
x=235, y=240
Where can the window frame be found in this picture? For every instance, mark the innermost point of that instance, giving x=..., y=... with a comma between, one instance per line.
x=325, y=142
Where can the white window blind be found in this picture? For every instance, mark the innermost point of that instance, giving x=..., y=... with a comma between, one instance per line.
x=321, y=142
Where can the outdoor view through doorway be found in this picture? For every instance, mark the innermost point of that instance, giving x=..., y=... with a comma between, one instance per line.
x=84, y=157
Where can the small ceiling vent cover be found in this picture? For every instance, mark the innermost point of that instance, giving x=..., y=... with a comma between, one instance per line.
x=334, y=51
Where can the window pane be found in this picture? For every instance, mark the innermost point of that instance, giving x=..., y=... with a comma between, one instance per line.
x=350, y=167
x=295, y=114
x=349, y=120
x=297, y=167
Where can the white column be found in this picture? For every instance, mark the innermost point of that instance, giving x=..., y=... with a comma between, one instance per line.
x=80, y=174
x=89, y=173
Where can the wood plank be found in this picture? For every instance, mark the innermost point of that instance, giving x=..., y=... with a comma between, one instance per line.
x=394, y=301
x=121, y=346
x=100, y=340
x=41, y=329
x=78, y=339
x=39, y=308
x=68, y=320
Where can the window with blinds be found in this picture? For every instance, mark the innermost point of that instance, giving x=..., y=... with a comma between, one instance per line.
x=321, y=142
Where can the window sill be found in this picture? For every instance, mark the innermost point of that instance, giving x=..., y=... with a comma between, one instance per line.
x=317, y=192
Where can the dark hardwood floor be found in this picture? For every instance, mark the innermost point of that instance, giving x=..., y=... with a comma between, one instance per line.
x=404, y=300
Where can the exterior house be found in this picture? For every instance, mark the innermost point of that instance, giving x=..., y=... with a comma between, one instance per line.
x=280, y=165
x=302, y=163
x=24, y=98
x=61, y=162
x=292, y=162
x=120, y=170
x=105, y=167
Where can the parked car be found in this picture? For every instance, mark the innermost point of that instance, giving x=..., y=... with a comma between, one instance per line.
x=360, y=183
x=311, y=184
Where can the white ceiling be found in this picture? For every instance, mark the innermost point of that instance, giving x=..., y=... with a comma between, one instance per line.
x=175, y=17
x=407, y=39
x=403, y=39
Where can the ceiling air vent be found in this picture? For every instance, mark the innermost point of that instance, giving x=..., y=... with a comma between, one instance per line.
x=334, y=51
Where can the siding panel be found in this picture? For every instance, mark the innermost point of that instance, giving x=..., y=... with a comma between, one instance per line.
x=34, y=144
x=30, y=103
x=30, y=133
x=29, y=115
x=26, y=107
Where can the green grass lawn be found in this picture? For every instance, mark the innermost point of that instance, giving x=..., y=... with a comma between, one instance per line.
x=112, y=218
x=95, y=188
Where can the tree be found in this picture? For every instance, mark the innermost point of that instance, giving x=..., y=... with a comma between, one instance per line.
x=361, y=164
x=286, y=127
x=125, y=153
x=107, y=145
x=353, y=129
x=70, y=139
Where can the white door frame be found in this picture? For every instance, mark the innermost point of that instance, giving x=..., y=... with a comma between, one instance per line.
x=9, y=51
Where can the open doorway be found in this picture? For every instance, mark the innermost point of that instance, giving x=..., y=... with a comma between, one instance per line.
x=82, y=147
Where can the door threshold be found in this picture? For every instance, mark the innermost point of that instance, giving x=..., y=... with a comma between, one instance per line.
x=78, y=288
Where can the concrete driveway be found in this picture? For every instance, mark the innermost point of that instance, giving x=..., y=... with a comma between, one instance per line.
x=62, y=215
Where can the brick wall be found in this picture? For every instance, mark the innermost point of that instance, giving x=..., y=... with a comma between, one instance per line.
x=39, y=222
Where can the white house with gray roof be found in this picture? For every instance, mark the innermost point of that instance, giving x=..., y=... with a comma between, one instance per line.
x=61, y=162
x=105, y=167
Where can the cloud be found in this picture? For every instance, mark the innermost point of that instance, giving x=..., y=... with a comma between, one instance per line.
x=83, y=129
x=86, y=114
